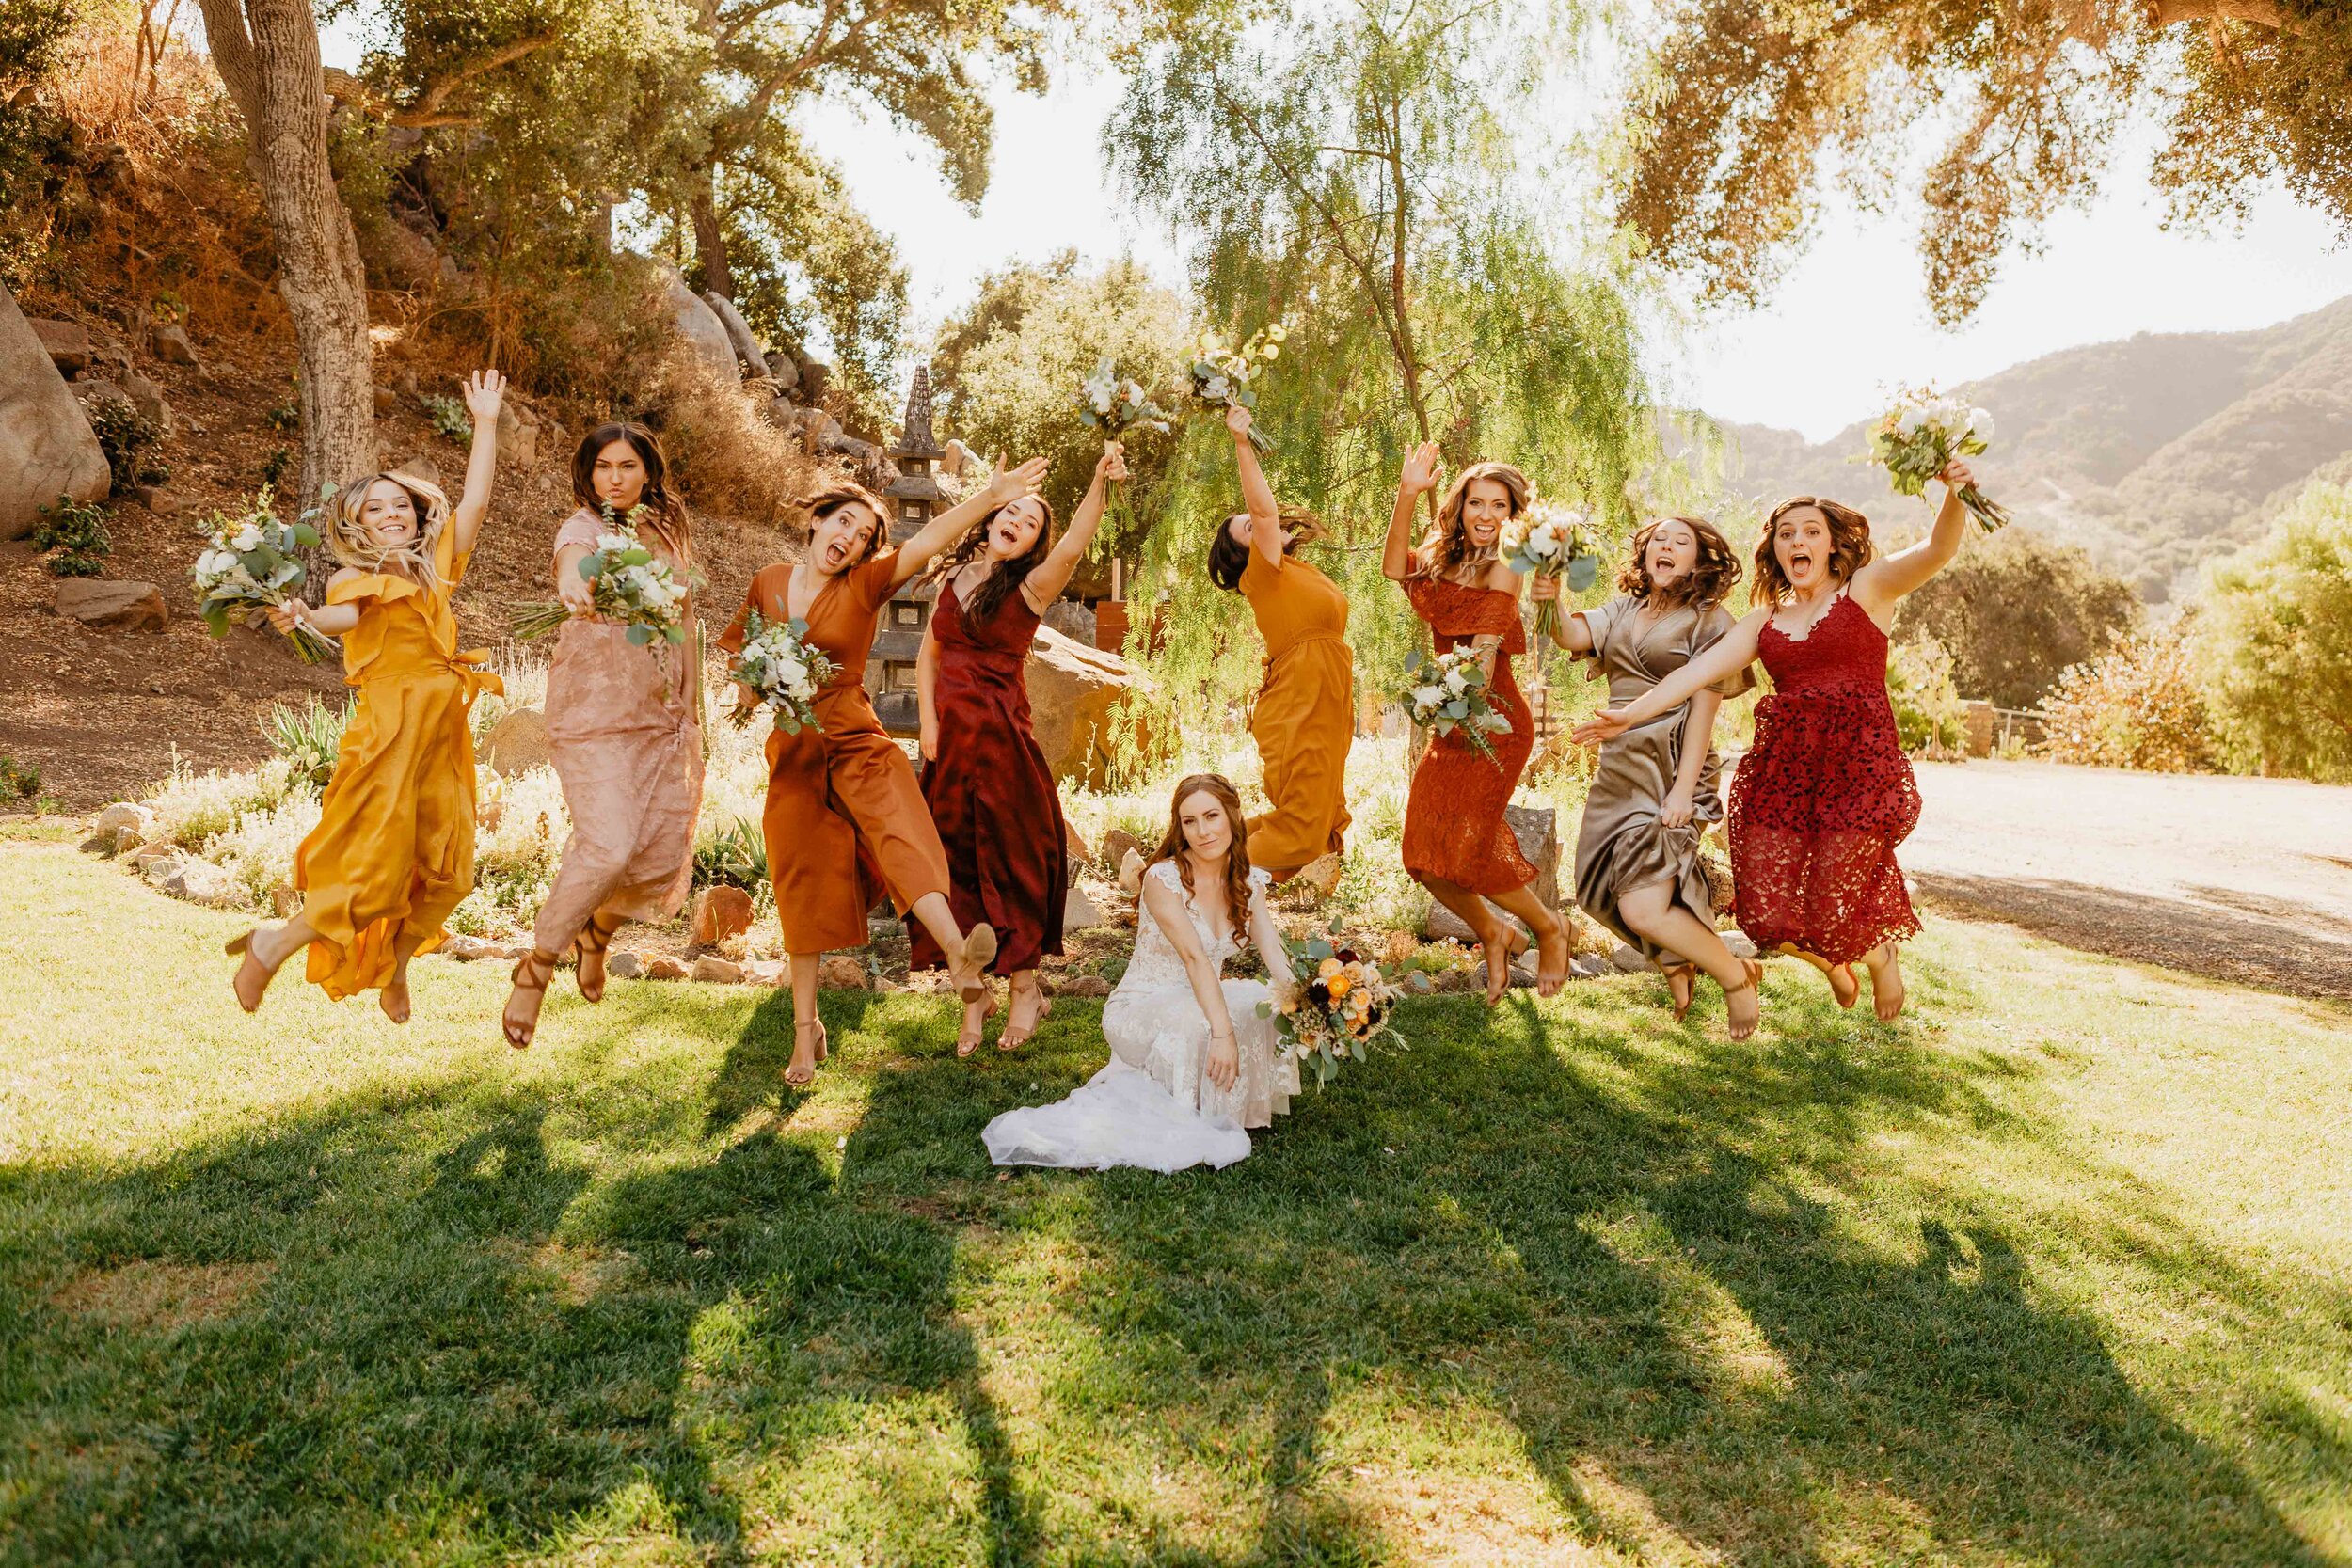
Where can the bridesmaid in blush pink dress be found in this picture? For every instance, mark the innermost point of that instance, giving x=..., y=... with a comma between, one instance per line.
x=624, y=731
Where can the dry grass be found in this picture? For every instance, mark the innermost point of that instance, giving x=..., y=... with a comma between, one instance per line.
x=154, y=1294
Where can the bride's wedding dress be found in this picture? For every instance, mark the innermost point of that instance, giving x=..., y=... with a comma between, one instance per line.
x=1152, y=1105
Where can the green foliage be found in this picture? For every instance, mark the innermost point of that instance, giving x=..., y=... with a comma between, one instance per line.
x=1928, y=706
x=286, y=417
x=448, y=417
x=77, y=534
x=32, y=137
x=2274, y=633
x=2015, y=610
x=19, y=781
x=2141, y=706
x=735, y=856
x=274, y=468
x=308, y=736
x=123, y=434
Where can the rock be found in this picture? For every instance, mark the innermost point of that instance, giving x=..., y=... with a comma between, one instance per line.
x=47, y=449
x=170, y=344
x=1521, y=978
x=1131, y=869
x=704, y=333
x=147, y=398
x=1081, y=984
x=840, y=972
x=1739, y=944
x=783, y=371
x=815, y=375
x=198, y=881
x=766, y=972
x=1629, y=960
x=1071, y=619
x=1590, y=966
x=100, y=844
x=716, y=970
x=1074, y=847
x=721, y=913
x=67, y=343
x=146, y=854
x=959, y=458
x=517, y=743
x=1072, y=690
x=662, y=966
x=739, y=331
x=1078, y=912
x=518, y=434
x=386, y=401
x=110, y=604
x=782, y=413
x=464, y=949
x=157, y=500
x=1118, y=844
x=124, y=816
x=1447, y=980
x=819, y=430
x=622, y=965
x=419, y=466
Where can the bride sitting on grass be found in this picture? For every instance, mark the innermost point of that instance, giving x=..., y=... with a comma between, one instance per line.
x=1192, y=1064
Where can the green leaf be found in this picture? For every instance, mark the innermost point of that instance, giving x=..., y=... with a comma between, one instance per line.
x=640, y=636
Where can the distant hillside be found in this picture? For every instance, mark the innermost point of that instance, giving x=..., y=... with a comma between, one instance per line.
x=2153, y=454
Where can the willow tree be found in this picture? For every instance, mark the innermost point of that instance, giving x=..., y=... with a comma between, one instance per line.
x=1362, y=172
x=1745, y=107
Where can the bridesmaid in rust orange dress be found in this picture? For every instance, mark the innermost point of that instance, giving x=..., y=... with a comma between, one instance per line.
x=1456, y=843
x=845, y=819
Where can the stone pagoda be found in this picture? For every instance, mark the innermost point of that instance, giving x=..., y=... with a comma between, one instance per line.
x=915, y=494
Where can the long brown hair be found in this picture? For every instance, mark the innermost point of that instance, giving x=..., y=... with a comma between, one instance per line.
x=832, y=498
x=667, y=511
x=1445, y=549
x=1711, y=577
x=1006, y=575
x=1229, y=558
x=1236, y=854
x=1849, y=549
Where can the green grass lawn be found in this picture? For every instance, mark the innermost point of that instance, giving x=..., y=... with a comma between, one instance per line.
x=2054, y=1272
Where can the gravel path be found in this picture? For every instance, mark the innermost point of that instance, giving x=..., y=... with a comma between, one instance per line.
x=2245, y=880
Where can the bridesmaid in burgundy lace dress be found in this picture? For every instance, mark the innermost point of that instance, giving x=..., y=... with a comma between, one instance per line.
x=1456, y=844
x=1825, y=793
x=990, y=790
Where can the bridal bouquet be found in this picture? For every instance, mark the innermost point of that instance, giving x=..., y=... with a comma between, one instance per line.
x=1108, y=403
x=251, y=563
x=633, y=587
x=1923, y=431
x=778, y=663
x=1448, y=693
x=1333, y=1006
x=1554, y=541
x=1221, y=375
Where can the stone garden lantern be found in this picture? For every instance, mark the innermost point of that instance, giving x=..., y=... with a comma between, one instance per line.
x=915, y=494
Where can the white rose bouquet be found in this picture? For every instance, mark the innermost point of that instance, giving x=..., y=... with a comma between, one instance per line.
x=1221, y=376
x=1448, y=693
x=778, y=662
x=1334, y=1005
x=1554, y=541
x=1914, y=440
x=251, y=563
x=1115, y=405
x=633, y=587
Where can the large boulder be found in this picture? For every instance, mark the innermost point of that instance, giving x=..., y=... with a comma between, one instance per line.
x=739, y=331
x=46, y=447
x=1071, y=619
x=517, y=743
x=1535, y=828
x=112, y=605
x=1073, y=689
x=700, y=327
x=67, y=342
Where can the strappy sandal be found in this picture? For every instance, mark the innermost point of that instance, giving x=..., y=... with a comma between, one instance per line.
x=243, y=948
x=1689, y=974
x=970, y=970
x=592, y=942
x=1010, y=1040
x=966, y=1044
x=823, y=1051
x=532, y=973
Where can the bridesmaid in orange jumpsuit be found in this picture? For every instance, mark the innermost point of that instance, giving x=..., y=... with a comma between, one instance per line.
x=392, y=854
x=1305, y=717
x=1456, y=843
x=846, y=819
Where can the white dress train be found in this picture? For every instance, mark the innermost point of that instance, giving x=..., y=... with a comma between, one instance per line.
x=1151, y=1107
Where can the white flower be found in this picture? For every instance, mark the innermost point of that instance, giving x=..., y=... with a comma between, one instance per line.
x=247, y=538
x=1218, y=389
x=1427, y=698
x=1455, y=682
x=1981, y=425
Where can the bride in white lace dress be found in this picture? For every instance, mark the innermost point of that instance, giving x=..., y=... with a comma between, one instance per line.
x=1192, y=1065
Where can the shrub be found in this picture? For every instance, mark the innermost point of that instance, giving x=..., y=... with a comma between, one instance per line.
x=259, y=851
x=724, y=450
x=307, y=737
x=76, y=533
x=2274, y=639
x=2141, y=706
x=735, y=857
x=447, y=414
x=2014, y=610
x=19, y=781
x=123, y=434
x=192, y=809
x=1928, y=706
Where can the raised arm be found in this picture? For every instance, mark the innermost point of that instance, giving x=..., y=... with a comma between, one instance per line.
x=1004, y=484
x=1045, y=585
x=926, y=693
x=1167, y=905
x=1730, y=654
x=485, y=394
x=1418, y=479
x=1571, y=630
x=1698, y=732
x=1877, y=585
x=1265, y=512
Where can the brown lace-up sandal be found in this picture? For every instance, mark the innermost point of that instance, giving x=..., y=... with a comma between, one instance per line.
x=532, y=974
x=588, y=950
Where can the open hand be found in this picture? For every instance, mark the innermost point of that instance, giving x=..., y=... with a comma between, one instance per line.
x=1007, y=485
x=1224, y=1063
x=1421, y=470
x=1957, y=476
x=1238, y=420
x=1609, y=724
x=485, y=393
x=1111, y=468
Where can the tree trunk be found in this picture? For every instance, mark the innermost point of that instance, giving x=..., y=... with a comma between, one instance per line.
x=710, y=240
x=268, y=53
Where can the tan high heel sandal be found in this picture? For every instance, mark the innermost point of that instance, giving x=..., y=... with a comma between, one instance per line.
x=966, y=1044
x=823, y=1050
x=532, y=974
x=1010, y=1040
x=1689, y=972
x=969, y=971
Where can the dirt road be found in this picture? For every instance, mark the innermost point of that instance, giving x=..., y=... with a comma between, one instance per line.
x=2245, y=880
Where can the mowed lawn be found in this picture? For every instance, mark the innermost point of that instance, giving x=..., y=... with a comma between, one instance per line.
x=2056, y=1271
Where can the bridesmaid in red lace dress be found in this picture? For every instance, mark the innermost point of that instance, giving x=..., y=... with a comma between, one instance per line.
x=1825, y=793
x=990, y=790
x=1456, y=844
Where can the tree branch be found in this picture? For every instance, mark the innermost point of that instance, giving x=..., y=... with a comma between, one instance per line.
x=426, y=109
x=2161, y=14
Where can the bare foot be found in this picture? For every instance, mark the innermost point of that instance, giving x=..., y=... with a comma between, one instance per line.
x=1744, y=1005
x=808, y=1049
x=1886, y=981
x=1682, y=981
x=976, y=1017
x=1496, y=944
x=394, y=998
x=1842, y=985
x=1551, y=967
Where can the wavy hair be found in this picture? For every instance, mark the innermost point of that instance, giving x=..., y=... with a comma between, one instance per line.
x=1236, y=854
x=1849, y=549
x=830, y=498
x=1445, y=549
x=1229, y=557
x=1710, y=578
x=669, y=513
x=1006, y=575
x=347, y=539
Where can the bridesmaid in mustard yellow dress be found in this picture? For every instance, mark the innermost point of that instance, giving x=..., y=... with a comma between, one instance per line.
x=1305, y=717
x=392, y=854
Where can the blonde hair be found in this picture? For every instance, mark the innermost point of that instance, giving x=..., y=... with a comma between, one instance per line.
x=348, y=541
x=1446, y=548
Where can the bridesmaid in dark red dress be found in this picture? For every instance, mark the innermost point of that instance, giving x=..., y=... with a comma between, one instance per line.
x=990, y=790
x=1456, y=844
x=1825, y=793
